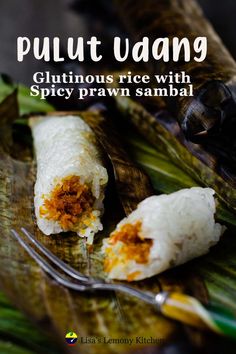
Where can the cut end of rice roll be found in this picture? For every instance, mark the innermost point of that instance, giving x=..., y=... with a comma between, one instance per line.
x=164, y=231
x=71, y=178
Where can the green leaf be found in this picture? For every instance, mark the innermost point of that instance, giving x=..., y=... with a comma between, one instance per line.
x=21, y=336
x=163, y=139
x=10, y=348
x=98, y=314
x=27, y=103
x=165, y=176
x=6, y=88
x=85, y=313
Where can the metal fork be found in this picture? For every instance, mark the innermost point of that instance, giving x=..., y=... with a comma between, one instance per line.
x=177, y=306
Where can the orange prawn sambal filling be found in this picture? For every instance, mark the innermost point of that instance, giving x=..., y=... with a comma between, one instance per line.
x=134, y=246
x=69, y=203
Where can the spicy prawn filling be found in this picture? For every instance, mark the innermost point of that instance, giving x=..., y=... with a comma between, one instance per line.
x=131, y=246
x=70, y=203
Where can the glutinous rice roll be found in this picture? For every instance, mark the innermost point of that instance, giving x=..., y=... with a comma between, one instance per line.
x=164, y=231
x=71, y=178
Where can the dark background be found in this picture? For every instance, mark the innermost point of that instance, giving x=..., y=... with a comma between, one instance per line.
x=56, y=18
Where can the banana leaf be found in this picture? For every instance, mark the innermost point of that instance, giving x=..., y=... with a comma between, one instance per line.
x=54, y=308
x=164, y=175
x=50, y=306
x=19, y=336
x=208, y=115
x=27, y=104
x=131, y=183
x=166, y=142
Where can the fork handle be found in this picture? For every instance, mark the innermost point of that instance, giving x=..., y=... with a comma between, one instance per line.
x=190, y=311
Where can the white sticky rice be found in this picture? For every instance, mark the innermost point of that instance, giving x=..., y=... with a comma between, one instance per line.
x=66, y=146
x=181, y=225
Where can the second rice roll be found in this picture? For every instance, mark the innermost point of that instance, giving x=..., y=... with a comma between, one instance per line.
x=164, y=231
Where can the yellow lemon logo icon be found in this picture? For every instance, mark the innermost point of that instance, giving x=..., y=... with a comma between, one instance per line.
x=71, y=338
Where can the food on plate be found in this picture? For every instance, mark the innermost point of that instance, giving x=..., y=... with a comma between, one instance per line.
x=164, y=231
x=71, y=177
